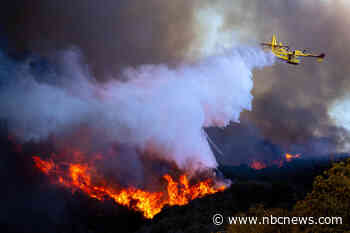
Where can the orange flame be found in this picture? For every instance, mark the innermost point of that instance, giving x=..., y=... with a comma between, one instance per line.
x=290, y=157
x=257, y=165
x=81, y=176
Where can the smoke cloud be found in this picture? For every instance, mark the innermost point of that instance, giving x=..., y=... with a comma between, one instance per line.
x=111, y=35
x=291, y=106
x=156, y=108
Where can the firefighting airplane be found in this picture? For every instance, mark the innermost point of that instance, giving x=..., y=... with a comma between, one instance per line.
x=283, y=52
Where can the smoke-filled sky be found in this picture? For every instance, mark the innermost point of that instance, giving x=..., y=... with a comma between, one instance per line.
x=292, y=104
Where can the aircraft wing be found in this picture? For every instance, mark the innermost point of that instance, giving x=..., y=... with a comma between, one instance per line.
x=276, y=46
x=319, y=57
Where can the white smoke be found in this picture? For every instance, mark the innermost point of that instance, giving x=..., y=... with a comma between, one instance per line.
x=339, y=113
x=158, y=107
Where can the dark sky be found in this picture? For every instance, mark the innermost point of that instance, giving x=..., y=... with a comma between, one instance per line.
x=111, y=34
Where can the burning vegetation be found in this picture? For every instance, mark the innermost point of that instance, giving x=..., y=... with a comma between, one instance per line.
x=258, y=165
x=84, y=176
x=290, y=157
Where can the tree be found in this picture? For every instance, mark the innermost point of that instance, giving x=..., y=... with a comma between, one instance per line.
x=330, y=197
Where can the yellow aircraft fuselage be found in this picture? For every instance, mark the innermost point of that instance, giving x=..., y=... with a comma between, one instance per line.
x=282, y=52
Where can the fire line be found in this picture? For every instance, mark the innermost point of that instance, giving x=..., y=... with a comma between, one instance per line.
x=84, y=177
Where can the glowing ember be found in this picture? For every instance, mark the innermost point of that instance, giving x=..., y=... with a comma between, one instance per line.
x=257, y=165
x=290, y=157
x=278, y=163
x=84, y=177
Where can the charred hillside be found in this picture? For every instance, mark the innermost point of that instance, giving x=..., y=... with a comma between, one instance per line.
x=31, y=203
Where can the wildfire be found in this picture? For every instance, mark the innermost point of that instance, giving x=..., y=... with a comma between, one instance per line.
x=257, y=165
x=84, y=177
x=290, y=157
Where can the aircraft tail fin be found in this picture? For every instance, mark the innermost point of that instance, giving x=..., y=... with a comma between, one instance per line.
x=274, y=41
